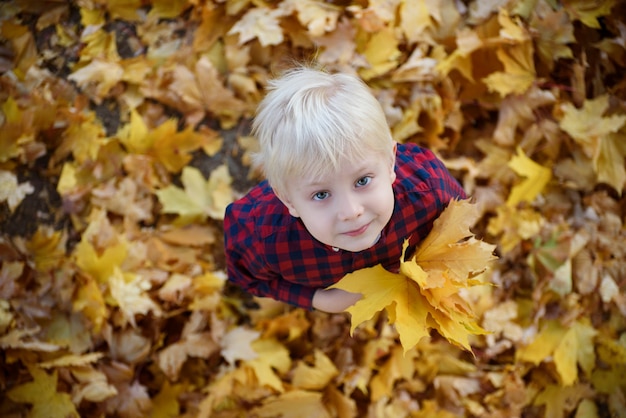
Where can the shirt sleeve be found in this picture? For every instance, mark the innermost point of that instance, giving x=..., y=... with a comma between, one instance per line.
x=247, y=267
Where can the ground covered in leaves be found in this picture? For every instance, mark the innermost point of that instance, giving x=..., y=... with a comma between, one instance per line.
x=124, y=133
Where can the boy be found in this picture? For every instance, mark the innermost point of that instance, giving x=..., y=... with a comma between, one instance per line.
x=340, y=194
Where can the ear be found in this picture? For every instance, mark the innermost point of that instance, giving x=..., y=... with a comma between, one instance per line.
x=292, y=210
x=392, y=167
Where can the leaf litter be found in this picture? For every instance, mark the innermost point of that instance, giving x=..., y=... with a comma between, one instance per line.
x=124, y=133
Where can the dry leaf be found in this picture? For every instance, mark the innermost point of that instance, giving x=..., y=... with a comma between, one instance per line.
x=11, y=191
x=536, y=179
x=425, y=294
x=200, y=197
x=42, y=394
x=106, y=103
x=294, y=404
x=567, y=346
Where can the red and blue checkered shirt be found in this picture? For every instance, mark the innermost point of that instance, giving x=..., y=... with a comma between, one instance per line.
x=270, y=253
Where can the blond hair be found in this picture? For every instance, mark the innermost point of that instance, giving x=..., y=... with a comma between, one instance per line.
x=310, y=119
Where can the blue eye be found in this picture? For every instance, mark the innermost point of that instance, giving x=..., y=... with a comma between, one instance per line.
x=363, y=181
x=320, y=195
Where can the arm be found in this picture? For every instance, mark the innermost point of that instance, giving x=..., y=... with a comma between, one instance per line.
x=334, y=300
x=246, y=265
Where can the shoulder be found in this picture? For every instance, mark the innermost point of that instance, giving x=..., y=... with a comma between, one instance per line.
x=259, y=212
x=416, y=165
x=419, y=171
x=415, y=161
x=422, y=189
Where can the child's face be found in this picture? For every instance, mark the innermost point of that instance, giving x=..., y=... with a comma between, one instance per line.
x=347, y=208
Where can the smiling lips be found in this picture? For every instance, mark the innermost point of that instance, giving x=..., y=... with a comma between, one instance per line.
x=357, y=232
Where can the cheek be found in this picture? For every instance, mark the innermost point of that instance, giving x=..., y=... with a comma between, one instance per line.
x=319, y=227
x=387, y=200
x=313, y=218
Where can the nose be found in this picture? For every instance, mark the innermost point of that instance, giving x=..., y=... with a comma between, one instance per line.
x=350, y=207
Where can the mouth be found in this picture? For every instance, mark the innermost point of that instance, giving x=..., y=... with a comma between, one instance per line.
x=358, y=231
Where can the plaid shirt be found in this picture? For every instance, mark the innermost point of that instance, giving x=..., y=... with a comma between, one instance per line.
x=270, y=253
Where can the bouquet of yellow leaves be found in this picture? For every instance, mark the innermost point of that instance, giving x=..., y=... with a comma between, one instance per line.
x=424, y=295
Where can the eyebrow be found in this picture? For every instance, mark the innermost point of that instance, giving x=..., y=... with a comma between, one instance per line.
x=322, y=183
x=314, y=185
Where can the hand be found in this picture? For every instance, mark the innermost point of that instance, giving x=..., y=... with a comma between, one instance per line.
x=334, y=300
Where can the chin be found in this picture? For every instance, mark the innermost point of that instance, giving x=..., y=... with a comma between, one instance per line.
x=356, y=248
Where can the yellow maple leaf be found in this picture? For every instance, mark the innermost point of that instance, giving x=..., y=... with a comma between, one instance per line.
x=519, y=70
x=385, y=290
x=609, y=165
x=568, y=346
x=168, y=9
x=23, y=43
x=431, y=409
x=173, y=149
x=536, y=179
x=294, y=404
x=11, y=130
x=124, y=9
x=274, y=323
x=446, y=249
x=382, y=53
x=588, y=12
x=165, y=143
x=599, y=136
x=99, y=44
x=611, y=352
x=559, y=400
x=425, y=294
x=515, y=224
x=467, y=41
x=316, y=376
x=90, y=301
x=136, y=70
x=42, y=394
x=100, y=266
x=82, y=138
x=200, y=197
x=47, y=248
x=165, y=404
x=69, y=178
x=92, y=16
x=511, y=29
x=134, y=135
x=588, y=126
x=272, y=355
x=398, y=366
x=414, y=19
